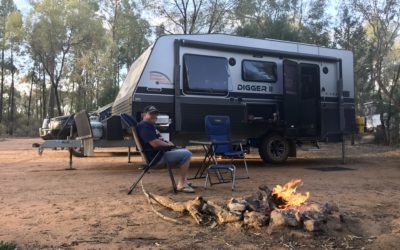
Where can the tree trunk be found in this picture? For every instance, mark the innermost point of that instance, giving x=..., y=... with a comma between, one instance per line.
x=37, y=101
x=12, y=101
x=58, y=103
x=381, y=115
x=2, y=84
x=44, y=94
x=30, y=97
x=50, y=111
x=72, y=97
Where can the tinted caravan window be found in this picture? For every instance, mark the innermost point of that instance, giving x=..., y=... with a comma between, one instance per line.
x=259, y=71
x=205, y=75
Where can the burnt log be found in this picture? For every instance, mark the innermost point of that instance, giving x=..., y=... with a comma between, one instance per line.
x=223, y=215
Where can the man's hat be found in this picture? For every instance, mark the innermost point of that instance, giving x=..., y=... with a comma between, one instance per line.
x=150, y=109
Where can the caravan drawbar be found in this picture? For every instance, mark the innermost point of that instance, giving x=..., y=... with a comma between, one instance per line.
x=276, y=93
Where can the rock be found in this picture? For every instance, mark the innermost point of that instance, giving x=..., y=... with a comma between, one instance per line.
x=312, y=225
x=292, y=217
x=253, y=205
x=277, y=218
x=313, y=215
x=255, y=219
x=258, y=202
x=289, y=217
x=314, y=207
x=264, y=188
x=330, y=207
x=335, y=222
x=237, y=206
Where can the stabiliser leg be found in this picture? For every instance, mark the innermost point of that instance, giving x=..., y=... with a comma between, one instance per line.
x=70, y=160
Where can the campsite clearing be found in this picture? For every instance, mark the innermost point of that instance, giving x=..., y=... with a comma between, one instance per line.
x=44, y=206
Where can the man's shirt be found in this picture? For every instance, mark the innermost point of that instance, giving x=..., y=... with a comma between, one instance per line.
x=148, y=132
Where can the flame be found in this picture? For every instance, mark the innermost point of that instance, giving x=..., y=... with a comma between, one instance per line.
x=288, y=194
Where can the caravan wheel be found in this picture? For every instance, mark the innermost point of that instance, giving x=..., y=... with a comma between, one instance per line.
x=274, y=149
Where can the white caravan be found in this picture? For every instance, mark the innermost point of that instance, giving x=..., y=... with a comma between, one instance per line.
x=276, y=93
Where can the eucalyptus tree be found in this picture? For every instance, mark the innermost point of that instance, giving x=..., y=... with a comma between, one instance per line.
x=54, y=30
x=14, y=35
x=350, y=34
x=382, y=19
x=192, y=16
x=296, y=20
x=128, y=34
x=6, y=7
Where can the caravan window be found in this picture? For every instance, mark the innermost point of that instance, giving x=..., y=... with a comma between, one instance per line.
x=259, y=71
x=205, y=75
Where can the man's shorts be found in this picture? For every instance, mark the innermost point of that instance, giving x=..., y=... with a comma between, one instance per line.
x=175, y=157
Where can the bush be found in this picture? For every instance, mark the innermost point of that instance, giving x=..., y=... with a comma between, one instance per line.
x=380, y=137
x=3, y=129
x=7, y=245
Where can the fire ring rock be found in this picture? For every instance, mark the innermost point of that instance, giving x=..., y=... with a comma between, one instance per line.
x=289, y=217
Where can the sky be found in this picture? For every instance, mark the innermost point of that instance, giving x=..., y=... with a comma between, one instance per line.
x=22, y=5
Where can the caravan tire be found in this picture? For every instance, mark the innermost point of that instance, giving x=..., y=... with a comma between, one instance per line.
x=274, y=149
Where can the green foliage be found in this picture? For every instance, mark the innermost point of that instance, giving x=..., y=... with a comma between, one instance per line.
x=350, y=34
x=7, y=245
x=284, y=20
x=3, y=129
x=6, y=7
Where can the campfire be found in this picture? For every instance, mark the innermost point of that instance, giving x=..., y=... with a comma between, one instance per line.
x=286, y=196
x=283, y=206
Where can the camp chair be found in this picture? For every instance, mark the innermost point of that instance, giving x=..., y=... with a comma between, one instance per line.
x=218, y=132
x=132, y=124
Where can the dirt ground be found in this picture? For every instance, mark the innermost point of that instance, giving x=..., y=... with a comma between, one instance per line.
x=44, y=206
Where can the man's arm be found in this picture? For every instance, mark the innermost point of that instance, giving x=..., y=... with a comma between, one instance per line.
x=159, y=143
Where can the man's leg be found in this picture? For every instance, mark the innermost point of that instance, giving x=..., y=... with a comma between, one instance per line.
x=180, y=157
x=184, y=169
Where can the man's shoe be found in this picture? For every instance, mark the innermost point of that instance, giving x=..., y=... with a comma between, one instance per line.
x=186, y=189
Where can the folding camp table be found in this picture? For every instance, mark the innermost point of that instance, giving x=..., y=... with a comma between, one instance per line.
x=208, y=157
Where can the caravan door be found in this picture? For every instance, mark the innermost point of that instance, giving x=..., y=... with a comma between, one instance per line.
x=309, y=99
x=291, y=97
x=301, y=84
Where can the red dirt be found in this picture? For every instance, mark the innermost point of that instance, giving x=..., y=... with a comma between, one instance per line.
x=44, y=206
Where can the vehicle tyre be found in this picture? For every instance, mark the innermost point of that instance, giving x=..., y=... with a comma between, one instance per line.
x=77, y=152
x=274, y=149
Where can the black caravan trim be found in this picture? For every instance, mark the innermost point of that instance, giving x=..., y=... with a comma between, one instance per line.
x=254, y=51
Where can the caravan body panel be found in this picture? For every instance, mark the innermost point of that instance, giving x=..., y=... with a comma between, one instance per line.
x=159, y=76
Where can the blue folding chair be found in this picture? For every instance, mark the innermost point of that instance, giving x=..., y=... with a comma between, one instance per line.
x=218, y=132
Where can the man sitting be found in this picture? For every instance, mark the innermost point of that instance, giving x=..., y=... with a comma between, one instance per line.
x=151, y=139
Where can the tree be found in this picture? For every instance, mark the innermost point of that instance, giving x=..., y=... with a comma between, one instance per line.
x=53, y=28
x=284, y=20
x=14, y=36
x=350, y=34
x=6, y=7
x=128, y=33
x=192, y=16
x=383, y=25
x=315, y=28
